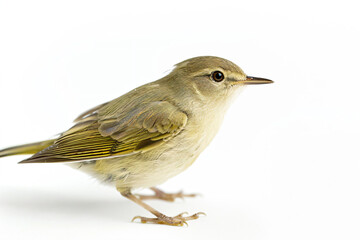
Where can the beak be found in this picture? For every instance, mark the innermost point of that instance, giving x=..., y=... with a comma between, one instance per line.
x=256, y=80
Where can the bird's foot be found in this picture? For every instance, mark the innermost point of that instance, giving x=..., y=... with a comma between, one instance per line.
x=170, y=197
x=178, y=220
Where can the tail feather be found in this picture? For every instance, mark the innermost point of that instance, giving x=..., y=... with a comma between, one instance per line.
x=30, y=148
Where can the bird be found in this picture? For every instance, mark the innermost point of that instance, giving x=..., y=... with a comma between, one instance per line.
x=150, y=134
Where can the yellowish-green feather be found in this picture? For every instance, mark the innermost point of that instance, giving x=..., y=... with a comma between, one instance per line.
x=31, y=148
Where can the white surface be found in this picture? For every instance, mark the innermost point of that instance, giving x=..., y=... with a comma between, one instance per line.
x=285, y=165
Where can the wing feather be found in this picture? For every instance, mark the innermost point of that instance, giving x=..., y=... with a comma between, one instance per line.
x=137, y=130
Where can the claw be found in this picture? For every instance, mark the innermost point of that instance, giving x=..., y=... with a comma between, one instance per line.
x=136, y=217
x=181, y=215
x=178, y=220
x=200, y=213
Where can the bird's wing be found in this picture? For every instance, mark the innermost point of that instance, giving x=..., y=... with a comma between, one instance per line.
x=140, y=129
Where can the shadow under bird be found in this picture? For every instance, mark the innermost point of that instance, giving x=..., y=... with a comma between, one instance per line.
x=149, y=134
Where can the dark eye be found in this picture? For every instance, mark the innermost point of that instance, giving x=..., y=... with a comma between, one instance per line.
x=217, y=76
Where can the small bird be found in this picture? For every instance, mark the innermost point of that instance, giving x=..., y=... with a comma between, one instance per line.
x=150, y=134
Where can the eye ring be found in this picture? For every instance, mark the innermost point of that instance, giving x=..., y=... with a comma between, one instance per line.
x=217, y=76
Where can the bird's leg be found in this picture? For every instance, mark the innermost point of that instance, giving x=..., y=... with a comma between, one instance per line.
x=178, y=220
x=170, y=197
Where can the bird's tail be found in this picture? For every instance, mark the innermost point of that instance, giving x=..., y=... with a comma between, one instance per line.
x=30, y=148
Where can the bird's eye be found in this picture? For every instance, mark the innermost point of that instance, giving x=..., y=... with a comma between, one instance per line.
x=217, y=76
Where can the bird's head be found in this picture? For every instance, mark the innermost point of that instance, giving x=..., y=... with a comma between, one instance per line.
x=209, y=79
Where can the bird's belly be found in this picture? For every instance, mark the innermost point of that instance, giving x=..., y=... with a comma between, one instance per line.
x=155, y=166
x=144, y=169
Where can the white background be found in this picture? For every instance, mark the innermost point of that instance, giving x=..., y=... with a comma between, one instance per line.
x=285, y=164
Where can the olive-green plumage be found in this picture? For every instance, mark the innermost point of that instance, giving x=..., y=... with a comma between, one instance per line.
x=151, y=133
